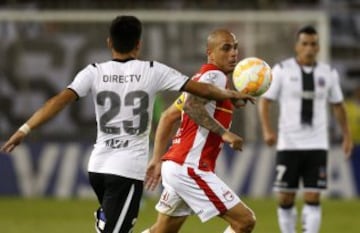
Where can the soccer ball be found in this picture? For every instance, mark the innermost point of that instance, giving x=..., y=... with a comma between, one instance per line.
x=253, y=76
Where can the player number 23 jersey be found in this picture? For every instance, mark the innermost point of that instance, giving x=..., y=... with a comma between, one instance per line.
x=123, y=93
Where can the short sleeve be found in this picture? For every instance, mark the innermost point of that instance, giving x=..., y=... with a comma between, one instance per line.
x=273, y=92
x=169, y=78
x=83, y=81
x=335, y=93
x=214, y=77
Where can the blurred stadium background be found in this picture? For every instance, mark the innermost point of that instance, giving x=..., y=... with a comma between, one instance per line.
x=44, y=44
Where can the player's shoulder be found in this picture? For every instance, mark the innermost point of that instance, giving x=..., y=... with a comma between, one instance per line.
x=90, y=68
x=326, y=67
x=147, y=63
x=213, y=75
x=285, y=64
x=153, y=64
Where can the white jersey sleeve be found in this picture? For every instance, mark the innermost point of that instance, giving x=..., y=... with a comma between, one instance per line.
x=169, y=78
x=83, y=81
x=273, y=92
x=335, y=93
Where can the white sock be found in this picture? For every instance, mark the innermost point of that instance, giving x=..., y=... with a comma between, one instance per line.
x=229, y=230
x=311, y=218
x=146, y=231
x=287, y=219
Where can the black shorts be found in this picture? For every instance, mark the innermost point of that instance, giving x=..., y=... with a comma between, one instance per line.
x=309, y=166
x=119, y=198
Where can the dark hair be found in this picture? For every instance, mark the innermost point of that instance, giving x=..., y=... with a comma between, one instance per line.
x=310, y=30
x=125, y=33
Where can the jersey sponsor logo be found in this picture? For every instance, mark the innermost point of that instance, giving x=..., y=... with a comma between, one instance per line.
x=114, y=78
x=321, y=82
x=166, y=205
x=211, y=77
x=228, y=196
x=165, y=196
x=164, y=200
x=199, y=212
x=116, y=143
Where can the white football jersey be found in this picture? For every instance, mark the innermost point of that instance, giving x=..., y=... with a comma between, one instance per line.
x=123, y=93
x=286, y=87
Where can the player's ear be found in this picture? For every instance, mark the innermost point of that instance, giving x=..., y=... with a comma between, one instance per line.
x=296, y=47
x=109, y=43
x=209, y=54
x=208, y=51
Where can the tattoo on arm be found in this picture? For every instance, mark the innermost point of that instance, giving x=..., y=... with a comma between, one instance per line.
x=195, y=107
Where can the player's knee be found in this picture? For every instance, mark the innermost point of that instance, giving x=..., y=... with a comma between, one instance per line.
x=312, y=197
x=246, y=223
x=286, y=200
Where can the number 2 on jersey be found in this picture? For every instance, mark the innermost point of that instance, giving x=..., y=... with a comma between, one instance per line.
x=115, y=106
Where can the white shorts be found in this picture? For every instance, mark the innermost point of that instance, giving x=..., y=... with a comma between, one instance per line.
x=189, y=190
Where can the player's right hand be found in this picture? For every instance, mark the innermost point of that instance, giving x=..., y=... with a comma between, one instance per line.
x=234, y=140
x=14, y=140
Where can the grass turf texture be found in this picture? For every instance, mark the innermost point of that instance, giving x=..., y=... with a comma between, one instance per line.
x=76, y=215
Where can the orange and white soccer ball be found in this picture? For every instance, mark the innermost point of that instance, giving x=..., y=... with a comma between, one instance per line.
x=253, y=76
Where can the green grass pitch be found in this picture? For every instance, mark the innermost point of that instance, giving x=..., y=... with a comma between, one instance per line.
x=76, y=215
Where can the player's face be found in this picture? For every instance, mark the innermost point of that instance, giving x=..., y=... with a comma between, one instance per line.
x=225, y=53
x=307, y=48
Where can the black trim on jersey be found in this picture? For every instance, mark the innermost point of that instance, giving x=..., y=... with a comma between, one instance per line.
x=182, y=87
x=77, y=95
x=307, y=104
x=151, y=64
x=123, y=60
x=94, y=65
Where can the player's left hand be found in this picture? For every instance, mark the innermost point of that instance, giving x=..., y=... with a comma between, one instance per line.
x=153, y=175
x=14, y=140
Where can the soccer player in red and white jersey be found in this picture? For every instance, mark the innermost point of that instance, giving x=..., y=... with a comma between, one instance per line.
x=187, y=171
x=123, y=90
x=303, y=87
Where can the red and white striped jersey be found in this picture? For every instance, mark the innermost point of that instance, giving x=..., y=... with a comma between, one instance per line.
x=194, y=145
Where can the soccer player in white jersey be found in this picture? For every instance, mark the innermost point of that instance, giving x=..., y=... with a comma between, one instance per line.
x=303, y=87
x=190, y=184
x=123, y=90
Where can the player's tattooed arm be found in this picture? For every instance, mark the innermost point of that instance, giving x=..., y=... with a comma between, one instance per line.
x=195, y=107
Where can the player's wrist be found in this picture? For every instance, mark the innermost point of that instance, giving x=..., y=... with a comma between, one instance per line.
x=25, y=129
x=222, y=132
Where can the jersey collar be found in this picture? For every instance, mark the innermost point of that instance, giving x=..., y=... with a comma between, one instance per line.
x=123, y=60
x=207, y=67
